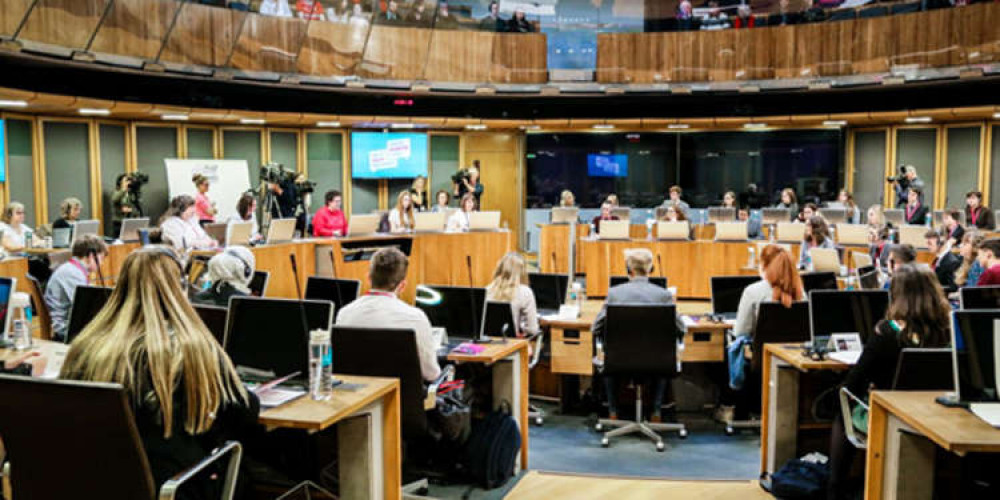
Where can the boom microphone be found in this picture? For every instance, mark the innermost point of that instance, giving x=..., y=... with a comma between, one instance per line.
x=336, y=282
x=298, y=290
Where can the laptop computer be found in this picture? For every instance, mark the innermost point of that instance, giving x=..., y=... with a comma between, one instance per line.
x=819, y=280
x=679, y=230
x=429, y=222
x=239, y=233
x=613, y=229
x=84, y=227
x=131, y=227
x=862, y=259
x=868, y=277
x=217, y=230
x=774, y=215
x=457, y=309
x=549, y=290
x=61, y=237
x=825, y=259
x=564, y=215
x=339, y=291
x=731, y=231
x=258, y=283
x=281, y=231
x=363, y=225
x=913, y=235
x=895, y=216
x=834, y=215
x=790, y=232
x=852, y=234
x=484, y=221
x=979, y=297
x=721, y=214
x=498, y=320
x=87, y=302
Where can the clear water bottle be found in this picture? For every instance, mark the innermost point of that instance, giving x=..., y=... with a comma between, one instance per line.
x=21, y=336
x=577, y=295
x=320, y=365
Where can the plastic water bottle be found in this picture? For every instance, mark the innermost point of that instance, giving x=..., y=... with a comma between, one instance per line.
x=577, y=295
x=29, y=239
x=21, y=335
x=751, y=257
x=320, y=365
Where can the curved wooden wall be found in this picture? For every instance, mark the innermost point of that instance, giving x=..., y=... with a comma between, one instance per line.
x=944, y=37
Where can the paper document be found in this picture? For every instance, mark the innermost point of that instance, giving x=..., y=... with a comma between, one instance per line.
x=846, y=357
x=988, y=412
x=277, y=396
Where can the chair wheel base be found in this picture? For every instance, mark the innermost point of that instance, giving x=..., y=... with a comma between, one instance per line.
x=660, y=446
x=683, y=433
x=605, y=442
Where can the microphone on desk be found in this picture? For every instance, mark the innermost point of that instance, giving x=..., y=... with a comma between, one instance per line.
x=336, y=283
x=97, y=260
x=659, y=264
x=298, y=290
x=554, y=261
x=475, y=333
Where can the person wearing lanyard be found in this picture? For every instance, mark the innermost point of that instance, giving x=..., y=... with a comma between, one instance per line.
x=381, y=307
x=976, y=213
x=916, y=212
x=87, y=254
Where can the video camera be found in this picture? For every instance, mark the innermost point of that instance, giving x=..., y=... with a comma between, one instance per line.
x=136, y=180
x=275, y=173
x=900, y=177
x=459, y=176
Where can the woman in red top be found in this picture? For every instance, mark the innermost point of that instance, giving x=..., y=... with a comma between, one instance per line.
x=203, y=206
x=330, y=220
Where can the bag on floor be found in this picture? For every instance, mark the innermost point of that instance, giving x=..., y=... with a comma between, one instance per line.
x=492, y=450
x=800, y=479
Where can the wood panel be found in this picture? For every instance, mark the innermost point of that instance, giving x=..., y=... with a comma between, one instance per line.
x=332, y=49
x=16, y=267
x=459, y=56
x=203, y=35
x=269, y=44
x=395, y=53
x=520, y=58
x=11, y=14
x=500, y=174
x=66, y=23
x=274, y=259
x=543, y=486
x=135, y=27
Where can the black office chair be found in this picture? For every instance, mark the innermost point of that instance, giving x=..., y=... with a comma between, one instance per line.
x=776, y=324
x=392, y=353
x=904, y=8
x=842, y=15
x=258, y=284
x=873, y=12
x=640, y=341
x=90, y=426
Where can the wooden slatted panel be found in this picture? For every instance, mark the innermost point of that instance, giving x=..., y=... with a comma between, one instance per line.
x=459, y=56
x=203, y=35
x=332, y=49
x=11, y=13
x=395, y=53
x=65, y=23
x=135, y=27
x=269, y=44
x=520, y=58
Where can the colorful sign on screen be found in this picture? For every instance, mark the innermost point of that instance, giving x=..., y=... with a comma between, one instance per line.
x=382, y=155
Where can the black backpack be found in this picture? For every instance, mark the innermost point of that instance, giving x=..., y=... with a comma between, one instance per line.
x=492, y=450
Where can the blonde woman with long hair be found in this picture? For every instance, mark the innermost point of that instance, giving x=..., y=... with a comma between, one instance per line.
x=184, y=390
x=401, y=217
x=510, y=284
x=567, y=199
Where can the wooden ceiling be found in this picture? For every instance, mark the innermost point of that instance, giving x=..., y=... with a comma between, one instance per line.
x=62, y=105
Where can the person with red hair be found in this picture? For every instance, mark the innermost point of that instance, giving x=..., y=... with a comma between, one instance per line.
x=780, y=282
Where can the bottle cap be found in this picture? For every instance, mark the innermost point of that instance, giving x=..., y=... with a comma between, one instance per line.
x=319, y=336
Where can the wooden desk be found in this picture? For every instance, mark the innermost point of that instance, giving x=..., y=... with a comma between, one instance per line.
x=779, y=427
x=903, y=428
x=509, y=362
x=17, y=268
x=368, y=432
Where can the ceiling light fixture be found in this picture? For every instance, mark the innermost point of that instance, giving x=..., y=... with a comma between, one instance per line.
x=678, y=126
x=604, y=126
x=476, y=126
x=835, y=123
x=10, y=103
x=253, y=121
x=918, y=119
x=176, y=118
x=754, y=125
x=402, y=125
x=95, y=111
x=328, y=124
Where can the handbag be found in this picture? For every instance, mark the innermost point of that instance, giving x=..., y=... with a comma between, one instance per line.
x=452, y=416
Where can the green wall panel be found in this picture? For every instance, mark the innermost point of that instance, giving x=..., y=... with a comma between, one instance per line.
x=153, y=145
x=111, y=140
x=918, y=147
x=199, y=143
x=963, y=163
x=444, y=163
x=324, y=156
x=20, y=172
x=67, y=167
x=869, y=167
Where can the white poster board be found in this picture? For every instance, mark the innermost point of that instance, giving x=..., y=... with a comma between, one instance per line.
x=228, y=180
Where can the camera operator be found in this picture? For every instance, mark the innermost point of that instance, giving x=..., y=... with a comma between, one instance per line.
x=124, y=203
x=286, y=193
x=906, y=178
x=467, y=181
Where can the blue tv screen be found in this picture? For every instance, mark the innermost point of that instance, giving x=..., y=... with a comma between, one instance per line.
x=388, y=155
x=607, y=165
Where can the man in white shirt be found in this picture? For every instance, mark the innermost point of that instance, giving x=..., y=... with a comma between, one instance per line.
x=381, y=307
x=87, y=255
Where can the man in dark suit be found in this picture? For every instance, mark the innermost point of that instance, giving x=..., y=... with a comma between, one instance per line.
x=945, y=263
x=953, y=229
x=638, y=290
x=492, y=21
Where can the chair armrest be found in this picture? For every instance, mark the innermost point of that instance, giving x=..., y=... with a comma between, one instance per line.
x=430, y=399
x=169, y=489
x=846, y=400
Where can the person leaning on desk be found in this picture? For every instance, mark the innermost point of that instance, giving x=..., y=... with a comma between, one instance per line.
x=638, y=290
x=87, y=253
x=184, y=391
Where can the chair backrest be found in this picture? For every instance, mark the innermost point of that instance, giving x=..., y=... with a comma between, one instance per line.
x=922, y=369
x=873, y=12
x=778, y=324
x=44, y=318
x=385, y=352
x=641, y=339
x=258, y=284
x=85, y=430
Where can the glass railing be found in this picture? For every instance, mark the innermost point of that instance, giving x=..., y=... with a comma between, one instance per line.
x=514, y=41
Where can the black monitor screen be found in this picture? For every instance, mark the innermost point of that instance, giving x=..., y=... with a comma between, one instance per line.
x=499, y=320
x=727, y=291
x=868, y=276
x=846, y=311
x=268, y=335
x=981, y=297
x=340, y=292
x=87, y=302
x=818, y=281
x=549, y=289
x=458, y=310
x=975, y=354
x=258, y=284
x=660, y=281
x=215, y=319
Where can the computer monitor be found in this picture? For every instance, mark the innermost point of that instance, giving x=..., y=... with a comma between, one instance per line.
x=845, y=311
x=979, y=297
x=924, y=369
x=131, y=227
x=87, y=302
x=258, y=284
x=267, y=335
x=660, y=281
x=868, y=277
x=894, y=216
x=818, y=281
x=457, y=309
x=834, y=215
x=721, y=214
x=549, y=290
x=215, y=319
x=340, y=292
x=974, y=359
x=774, y=215
x=727, y=291
x=498, y=320
x=82, y=228
x=7, y=288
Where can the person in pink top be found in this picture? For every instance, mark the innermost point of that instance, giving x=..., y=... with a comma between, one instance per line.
x=203, y=206
x=330, y=220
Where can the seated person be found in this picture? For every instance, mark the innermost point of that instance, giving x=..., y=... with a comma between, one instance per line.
x=87, y=254
x=442, y=200
x=381, y=307
x=605, y=215
x=330, y=220
x=753, y=225
x=459, y=221
x=673, y=213
x=845, y=198
x=953, y=231
x=918, y=316
x=916, y=212
x=401, y=217
x=729, y=200
x=899, y=256
x=181, y=226
x=817, y=236
x=69, y=212
x=567, y=199
x=675, y=199
x=946, y=263
x=780, y=282
x=808, y=211
x=510, y=284
x=976, y=214
x=970, y=270
x=246, y=211
x=989, y=258
x=229, y=273
x=15, y=233
x=184, y=391
x=788, y=199
x=638, y=290
x=880, y=244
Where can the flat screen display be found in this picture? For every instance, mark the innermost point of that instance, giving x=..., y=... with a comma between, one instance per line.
x=607, y=165
x=388, y=155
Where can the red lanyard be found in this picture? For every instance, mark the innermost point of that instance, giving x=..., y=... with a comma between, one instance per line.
x=910, y=211
x=82, y=269
x=975, y=215
x=380, y=294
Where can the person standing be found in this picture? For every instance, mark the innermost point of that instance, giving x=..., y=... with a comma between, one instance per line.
x=910, y=179
x=124, y=205
x=470, y=184
x=674, y=198
x=203, y=205
x=330, y=219
x=418, y=194
x=87, y=254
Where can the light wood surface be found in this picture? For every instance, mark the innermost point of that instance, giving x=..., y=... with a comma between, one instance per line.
x=203, y=35
x=954, y=429
x=491, y=352
x=135, y=28
x=65, y=23
x=306, y=413
x=793, y=355
x=16, y=267
x=500, y=159
x=545, y=486
x=269, y=43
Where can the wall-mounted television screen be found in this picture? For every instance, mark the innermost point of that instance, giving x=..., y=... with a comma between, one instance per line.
x=388, y=155
x=600, y=165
